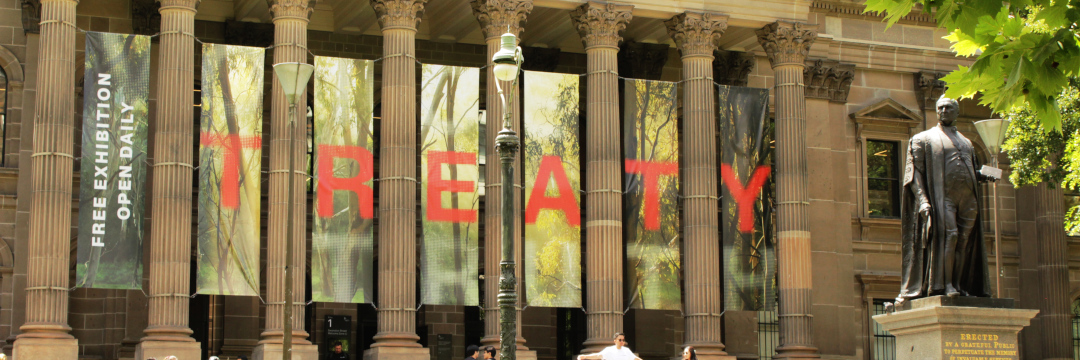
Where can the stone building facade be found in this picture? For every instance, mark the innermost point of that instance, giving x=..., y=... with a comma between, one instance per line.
x=842, y=84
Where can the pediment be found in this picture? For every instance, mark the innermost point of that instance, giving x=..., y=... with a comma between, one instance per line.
x=887, y=111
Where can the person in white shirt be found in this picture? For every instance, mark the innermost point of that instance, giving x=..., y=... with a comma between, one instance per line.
x=617, y=352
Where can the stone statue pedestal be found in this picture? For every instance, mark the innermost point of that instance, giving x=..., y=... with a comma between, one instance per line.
x=956, y=328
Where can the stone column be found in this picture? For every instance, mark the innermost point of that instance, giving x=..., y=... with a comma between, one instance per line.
x=45, y=335
x=787, y=44
x=167, y=331
x=496, y=17
x=397, y=183
x=600, y=26
x=1055, y=317
x=696, y=35
x=290, y=19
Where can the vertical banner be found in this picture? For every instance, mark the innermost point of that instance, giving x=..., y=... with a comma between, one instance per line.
x=551, y=155
x=115, y=101
x=230, y=164
x=343, y=226
x=747, y=220
x=651, y=198
x=450, y=141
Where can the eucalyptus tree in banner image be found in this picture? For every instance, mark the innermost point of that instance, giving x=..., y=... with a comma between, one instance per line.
x=342, y=226
x=229, y=170
x=450, y=132
x=747, y=193
x=113, y=172
x=551, y=155
x=650, y=203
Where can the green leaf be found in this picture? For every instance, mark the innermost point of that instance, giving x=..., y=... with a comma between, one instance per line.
x=892, y=9
x=1055, y=16
x=1047, y=79
x=963, y=44
x=1012, y=27
x=1014, y=75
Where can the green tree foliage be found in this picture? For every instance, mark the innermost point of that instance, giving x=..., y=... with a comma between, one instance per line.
x=653, y=264
x=117, y=264
x=232, y=98
x=1038, y=155
x=1025, y=50
x=552, y=245
x=342, y=244
x=451, y=123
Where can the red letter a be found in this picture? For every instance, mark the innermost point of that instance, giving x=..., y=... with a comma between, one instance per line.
x=745, y=197
x=551, y=167
x=328, y=183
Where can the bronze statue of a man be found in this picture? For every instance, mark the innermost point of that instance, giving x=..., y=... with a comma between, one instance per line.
x=943, y=248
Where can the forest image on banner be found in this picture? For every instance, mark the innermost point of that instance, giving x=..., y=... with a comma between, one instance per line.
x=230, y=164
x=343, y=225
x=651, y=198
x=551, y=154
x=113, y=172
x=747, y=220
x=450, y=134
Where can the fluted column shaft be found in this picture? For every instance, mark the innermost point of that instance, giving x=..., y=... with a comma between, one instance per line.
x=696, y=35
x=290, y=45
x=600, y=26
x=47, y=280
x=170, y=233
x=397, y=183
x=1055, y=317
x=787, y=44
x=497, y=17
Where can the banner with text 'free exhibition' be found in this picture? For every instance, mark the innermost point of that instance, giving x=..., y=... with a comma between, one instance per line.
x=551, y=153
x=113, y=172
x=450, y=134
x=747, y=193
x=230, y=163
x=651, y=196
x=342, y=227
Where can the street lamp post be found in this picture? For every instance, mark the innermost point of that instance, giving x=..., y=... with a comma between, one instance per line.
x=507, y=63
x=992, y=132
x=293, y=77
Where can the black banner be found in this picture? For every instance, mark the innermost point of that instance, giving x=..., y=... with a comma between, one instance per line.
x=747, y=192
x=115, y=101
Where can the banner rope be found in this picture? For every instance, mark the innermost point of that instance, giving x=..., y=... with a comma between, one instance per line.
x=397, y=178
x=626, y=78
x=700, y=197
x=52, y=153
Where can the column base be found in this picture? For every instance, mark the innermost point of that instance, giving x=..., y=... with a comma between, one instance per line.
x=940, y=327
x=183, y=350
x=277, y=352
x=36, y=348
x=397, y=353
x=525, y=355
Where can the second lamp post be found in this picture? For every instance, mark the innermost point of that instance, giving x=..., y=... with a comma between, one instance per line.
x=506, y=65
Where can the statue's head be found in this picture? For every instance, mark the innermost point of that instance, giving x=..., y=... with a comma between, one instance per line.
x=947, y=111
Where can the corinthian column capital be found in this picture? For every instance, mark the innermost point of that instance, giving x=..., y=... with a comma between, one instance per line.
x=290, y=9
x=601, y=24
x=181, y=4
x=696, y=33
x=399, y=13
x=501, y=16
x=786, y=42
